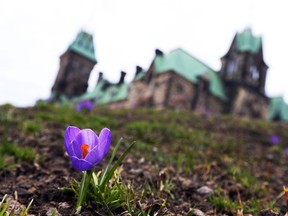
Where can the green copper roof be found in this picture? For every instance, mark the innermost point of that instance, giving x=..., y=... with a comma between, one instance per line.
x=278, y=108
x=216, y=85
x=140, y=75
x=247, y=42
x=190, y=68
x=94, y=94
x=83, y=45
x=114, y=93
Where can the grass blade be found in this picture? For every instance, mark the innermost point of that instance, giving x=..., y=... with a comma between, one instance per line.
x=3, y=211
x=111, y=160
x=25, y=213
x=108, y=176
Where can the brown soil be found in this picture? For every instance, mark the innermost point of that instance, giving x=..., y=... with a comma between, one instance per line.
x=45, y=181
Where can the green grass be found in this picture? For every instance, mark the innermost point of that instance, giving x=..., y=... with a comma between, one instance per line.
x=186, y=141
x=15, y=152
x=20, y=153
x=9, y=209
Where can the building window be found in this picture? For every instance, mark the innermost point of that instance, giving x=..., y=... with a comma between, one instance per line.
x=254, y=73
x=231, y=67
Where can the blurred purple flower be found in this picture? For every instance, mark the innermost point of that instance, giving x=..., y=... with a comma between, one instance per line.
x=85, y=148
x=84, y=105
x=274, y=139
x=286, y=151
x=208, y=113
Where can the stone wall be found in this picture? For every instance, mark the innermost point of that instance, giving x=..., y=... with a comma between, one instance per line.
x=161, y=87
x=167, y=90
x=139, y=94
x=250, y=104
x=181, y=94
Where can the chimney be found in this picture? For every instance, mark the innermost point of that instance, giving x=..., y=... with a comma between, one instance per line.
x=158, y=52
x=122, y=77
x=100, y=76
x=138, y=70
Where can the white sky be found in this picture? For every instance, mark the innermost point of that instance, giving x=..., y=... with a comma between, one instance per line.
x=33, y=34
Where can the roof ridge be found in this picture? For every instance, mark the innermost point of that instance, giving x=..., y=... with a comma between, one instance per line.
x=192, y=56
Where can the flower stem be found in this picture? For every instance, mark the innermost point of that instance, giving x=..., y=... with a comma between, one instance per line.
x=85, y=181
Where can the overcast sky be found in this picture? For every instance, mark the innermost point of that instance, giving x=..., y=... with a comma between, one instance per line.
x=35, y=33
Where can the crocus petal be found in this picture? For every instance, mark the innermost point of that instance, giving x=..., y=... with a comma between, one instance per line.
x=105, y=138
x=76, y=148
x=87, y=136
x=93, y=156
x=70, y=134
x=80, y=164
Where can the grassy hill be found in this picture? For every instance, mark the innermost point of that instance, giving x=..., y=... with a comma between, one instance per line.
x=182, y=163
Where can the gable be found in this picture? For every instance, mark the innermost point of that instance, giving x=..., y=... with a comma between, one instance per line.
x=190, y=68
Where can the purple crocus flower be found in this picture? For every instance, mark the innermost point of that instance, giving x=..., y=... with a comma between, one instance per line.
x=85, y=148
x=84, y=105
x=274, y=139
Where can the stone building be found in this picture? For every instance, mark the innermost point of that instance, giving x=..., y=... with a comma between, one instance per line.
x=76, y=64
x=180, y=81
x=176, y=80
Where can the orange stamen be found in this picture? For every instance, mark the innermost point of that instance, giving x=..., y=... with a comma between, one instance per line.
x=85, y=150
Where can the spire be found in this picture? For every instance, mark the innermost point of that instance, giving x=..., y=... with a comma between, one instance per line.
x=83, y=45
x=246, y=41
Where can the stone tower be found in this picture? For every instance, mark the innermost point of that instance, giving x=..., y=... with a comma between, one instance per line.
x=76, y=64
x=243, y=73
x=244, y=63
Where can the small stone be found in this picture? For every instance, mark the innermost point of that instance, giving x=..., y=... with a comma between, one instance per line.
x=142, y=160
x=196, y=212
x=136, y=171
x=155, y=149
x=186, y=182
x=129, y=160
x=204, y=190
x=269, y=156
x=63, y=205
